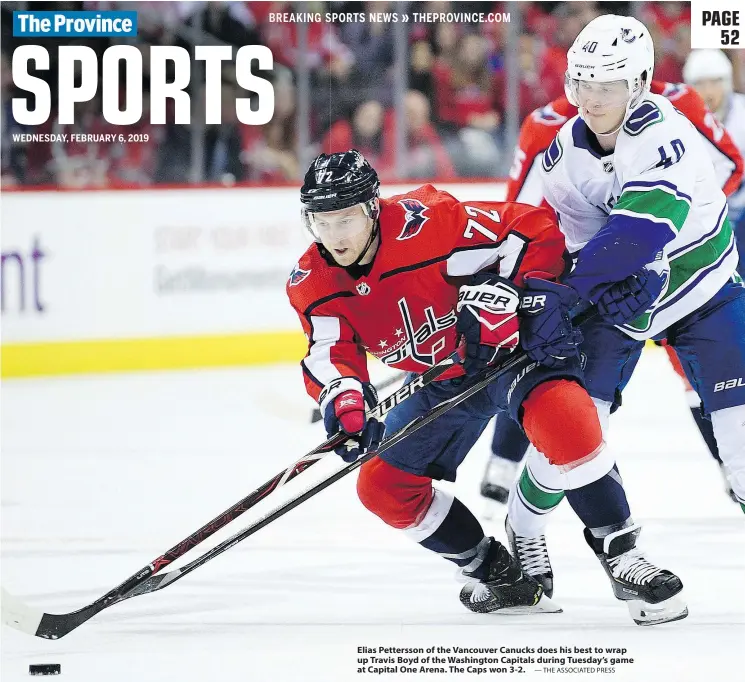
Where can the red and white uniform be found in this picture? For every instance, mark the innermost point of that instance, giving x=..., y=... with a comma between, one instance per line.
x=404, y=310
x=540, y=127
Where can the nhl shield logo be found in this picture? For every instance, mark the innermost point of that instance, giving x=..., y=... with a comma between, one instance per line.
x=297, y=275
x=363, y=289
x=414, y=218
x=608, y=166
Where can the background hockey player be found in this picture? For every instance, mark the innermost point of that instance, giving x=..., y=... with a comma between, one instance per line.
x=509, y=443
x=710, y=73
x=642, y=213
x=403, y=278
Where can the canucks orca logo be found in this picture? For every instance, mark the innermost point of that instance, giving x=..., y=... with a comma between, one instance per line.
x=298, y=275
x=626, y=35
x=552, y=155
x=415, y=218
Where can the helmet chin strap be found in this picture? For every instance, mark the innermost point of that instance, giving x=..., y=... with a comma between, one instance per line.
x=370, y=240
x=633, y=101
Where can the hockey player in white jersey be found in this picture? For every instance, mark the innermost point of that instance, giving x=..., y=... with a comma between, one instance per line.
x=710, y=74
x=637, y=199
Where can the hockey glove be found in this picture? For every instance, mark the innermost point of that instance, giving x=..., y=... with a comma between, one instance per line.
x=487, y=320
x=626, y=300
x=343, y=409
x=548, y=336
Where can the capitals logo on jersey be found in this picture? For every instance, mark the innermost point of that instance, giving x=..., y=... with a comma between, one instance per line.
x=414, y=218
x=410, y=342
x=298, y=275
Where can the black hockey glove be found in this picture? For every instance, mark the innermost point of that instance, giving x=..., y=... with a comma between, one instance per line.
x=546, y=331
x=626, y=300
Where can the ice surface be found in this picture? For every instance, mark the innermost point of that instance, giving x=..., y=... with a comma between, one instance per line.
x=101, y=475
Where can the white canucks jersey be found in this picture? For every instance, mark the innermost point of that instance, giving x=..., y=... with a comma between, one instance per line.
x=654, y=198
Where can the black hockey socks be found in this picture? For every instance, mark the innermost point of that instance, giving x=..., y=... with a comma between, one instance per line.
x=602, y=503
x=457, y=537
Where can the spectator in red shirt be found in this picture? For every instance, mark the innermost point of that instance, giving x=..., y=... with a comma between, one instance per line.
x=571, y=18
x=465, y=95
x=365, y=133
x=532, y=91
x=373, y=132
x=667, y=17
x=269, y=151
x=670, y=67
x=426, y=157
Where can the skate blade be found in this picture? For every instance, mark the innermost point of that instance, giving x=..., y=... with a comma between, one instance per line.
x=654, y=614
x=544, y=605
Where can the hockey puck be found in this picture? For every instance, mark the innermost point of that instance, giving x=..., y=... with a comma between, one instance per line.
x=45, y=669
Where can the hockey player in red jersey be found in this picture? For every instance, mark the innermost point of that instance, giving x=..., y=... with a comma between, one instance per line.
x=406, y=279
x=538, y=130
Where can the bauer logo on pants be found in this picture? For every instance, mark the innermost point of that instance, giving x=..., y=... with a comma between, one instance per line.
x=730, y=383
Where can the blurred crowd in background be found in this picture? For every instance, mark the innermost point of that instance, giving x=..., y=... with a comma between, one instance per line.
x=454, y=105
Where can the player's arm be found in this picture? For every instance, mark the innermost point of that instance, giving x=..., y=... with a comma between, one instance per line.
x=654, y=204
x=334, y=361
x=335, y=374
x=511, y=254
x=536, y=133
x=504, y=238
x=726, y=157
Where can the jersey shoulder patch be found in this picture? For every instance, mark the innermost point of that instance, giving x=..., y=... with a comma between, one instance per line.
x=547, y=116
x=297, y=275
x=644, y=116
x=552, y=155
x=414, y=217
x=674, y=91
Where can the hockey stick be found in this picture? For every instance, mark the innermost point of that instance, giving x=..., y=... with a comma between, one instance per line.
x=52, y=626
x=158, y=582
x=387, y=383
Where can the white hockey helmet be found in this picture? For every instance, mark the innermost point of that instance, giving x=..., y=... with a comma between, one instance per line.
x=708, y=65
x=611, y=48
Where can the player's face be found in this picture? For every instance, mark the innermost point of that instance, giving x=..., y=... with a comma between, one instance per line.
x=712, y=91
x=344, y=233
x=603, y=104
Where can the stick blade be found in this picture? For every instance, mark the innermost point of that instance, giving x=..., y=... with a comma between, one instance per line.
x=17, y=615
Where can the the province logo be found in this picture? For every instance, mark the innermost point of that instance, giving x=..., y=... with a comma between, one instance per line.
x=170, y=72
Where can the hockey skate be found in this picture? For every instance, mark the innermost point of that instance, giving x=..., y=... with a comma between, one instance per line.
x=506, y=588
x=652, y=594
x=532, y=555
x=495, y=486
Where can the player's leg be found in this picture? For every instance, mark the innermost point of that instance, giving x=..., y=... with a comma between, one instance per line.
x=608, y=360
x=566, y=431
x=711, y=344
x=509, y=445
x=397, y=487
x=704, y=425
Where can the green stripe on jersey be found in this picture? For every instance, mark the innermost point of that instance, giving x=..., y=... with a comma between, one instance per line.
x=537, y=496
x=686, y=265
x=657, y=203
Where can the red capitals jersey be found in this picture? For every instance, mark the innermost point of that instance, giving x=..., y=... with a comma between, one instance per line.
x=404, y=310
x=539, y=129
